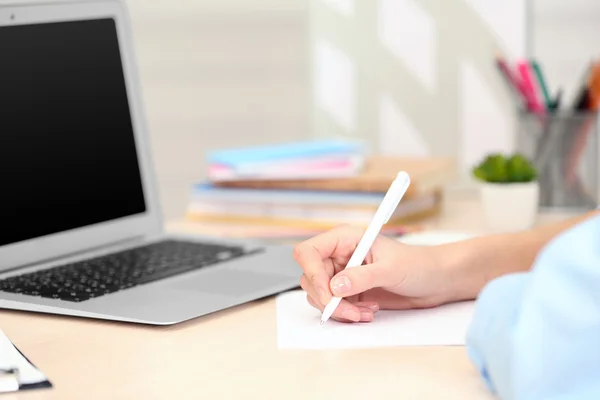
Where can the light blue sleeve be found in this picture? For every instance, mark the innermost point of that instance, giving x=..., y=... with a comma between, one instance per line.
x=536, y=335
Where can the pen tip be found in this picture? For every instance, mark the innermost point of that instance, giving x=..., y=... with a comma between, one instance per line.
x=322, y=322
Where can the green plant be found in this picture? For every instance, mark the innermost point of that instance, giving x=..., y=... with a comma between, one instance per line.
x=497, y=168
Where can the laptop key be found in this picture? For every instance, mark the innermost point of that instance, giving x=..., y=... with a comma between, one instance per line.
x=103, y=275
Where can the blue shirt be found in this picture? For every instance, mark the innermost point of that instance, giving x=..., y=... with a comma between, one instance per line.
x=536, y=335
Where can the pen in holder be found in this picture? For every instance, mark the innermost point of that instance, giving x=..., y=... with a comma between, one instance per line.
x=563, y=146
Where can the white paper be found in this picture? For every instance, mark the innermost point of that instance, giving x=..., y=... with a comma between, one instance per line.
x=298, y=326
x=11, y=358
x=8, y=383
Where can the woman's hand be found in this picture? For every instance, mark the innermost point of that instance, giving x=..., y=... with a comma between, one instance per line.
x=394, y=276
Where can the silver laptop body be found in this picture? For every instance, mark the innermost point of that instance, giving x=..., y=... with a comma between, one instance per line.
x=81, y=232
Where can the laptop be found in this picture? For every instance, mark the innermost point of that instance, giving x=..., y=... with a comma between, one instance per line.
x=81, y=232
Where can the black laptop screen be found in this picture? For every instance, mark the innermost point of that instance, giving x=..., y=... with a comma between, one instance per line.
x=67, y=153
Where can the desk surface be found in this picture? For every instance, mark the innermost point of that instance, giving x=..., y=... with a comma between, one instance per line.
x=233, y=354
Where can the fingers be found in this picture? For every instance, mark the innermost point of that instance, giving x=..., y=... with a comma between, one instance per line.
x=371, y=305
x=346, y=310
x=391, y=301
x=314, y=255
x=320, y=258
x=353, y=281
x=315, y=279
x=367, y=310
x=342, y=316
x=311, y=292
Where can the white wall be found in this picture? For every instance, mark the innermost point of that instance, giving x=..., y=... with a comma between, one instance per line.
x=218, y=74
x=417, y=77
x=566, y=36
x=223, y=72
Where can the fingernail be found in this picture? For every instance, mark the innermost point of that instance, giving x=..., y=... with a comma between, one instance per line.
x=340, y=285
x=366, y=316
x=323, y=295
x=351, y=315
x=373, y=307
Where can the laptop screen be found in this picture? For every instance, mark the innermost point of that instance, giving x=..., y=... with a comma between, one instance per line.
x=67, y=154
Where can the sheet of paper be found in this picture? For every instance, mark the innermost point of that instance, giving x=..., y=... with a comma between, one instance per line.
x=298, y=326
x=11, y=358
x=8, y=382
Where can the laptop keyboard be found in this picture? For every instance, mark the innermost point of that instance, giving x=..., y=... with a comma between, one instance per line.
x=99, y=276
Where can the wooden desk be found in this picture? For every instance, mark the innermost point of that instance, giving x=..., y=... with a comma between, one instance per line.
x=233, y=355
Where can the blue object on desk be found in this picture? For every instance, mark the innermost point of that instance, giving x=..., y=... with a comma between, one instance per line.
x=285, y=151
x=536, y=335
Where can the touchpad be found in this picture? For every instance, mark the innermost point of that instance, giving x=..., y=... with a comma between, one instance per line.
x=233, y=283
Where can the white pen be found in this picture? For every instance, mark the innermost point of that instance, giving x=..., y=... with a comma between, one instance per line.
x=383, y=214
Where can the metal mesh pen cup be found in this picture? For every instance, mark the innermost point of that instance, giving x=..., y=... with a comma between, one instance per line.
x=564, y=148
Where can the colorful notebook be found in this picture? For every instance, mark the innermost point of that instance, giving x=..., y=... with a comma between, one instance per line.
x=376, y=176
x=329, y=167
x=287, y=151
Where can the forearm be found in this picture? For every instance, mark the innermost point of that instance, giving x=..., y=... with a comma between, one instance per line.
x=475, y=262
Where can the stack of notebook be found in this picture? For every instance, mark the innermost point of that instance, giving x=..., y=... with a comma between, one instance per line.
x=304, y=160
x=278, y=204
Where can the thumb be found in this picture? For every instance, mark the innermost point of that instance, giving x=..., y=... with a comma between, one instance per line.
x=352, y=281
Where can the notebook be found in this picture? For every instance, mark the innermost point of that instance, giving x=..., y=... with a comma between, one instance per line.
x=16, y=371
x=328, y=167
x=302, y=208
x=300, y=160
x=286, y=151
x=377, y=174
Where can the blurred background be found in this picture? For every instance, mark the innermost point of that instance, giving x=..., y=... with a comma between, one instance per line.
x=410, y=77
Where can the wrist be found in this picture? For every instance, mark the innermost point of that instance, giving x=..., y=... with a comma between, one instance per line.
x=456, y=261
x=471, y=264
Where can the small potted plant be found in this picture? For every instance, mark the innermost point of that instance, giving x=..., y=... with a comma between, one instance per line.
x=509, y=191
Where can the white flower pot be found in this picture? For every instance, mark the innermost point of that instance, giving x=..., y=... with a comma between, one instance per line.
x=510, y=206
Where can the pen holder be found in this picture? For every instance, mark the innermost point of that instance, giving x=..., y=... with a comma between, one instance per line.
x=564, y=149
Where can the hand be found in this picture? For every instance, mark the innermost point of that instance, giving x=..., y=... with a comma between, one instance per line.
x=394, y=276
